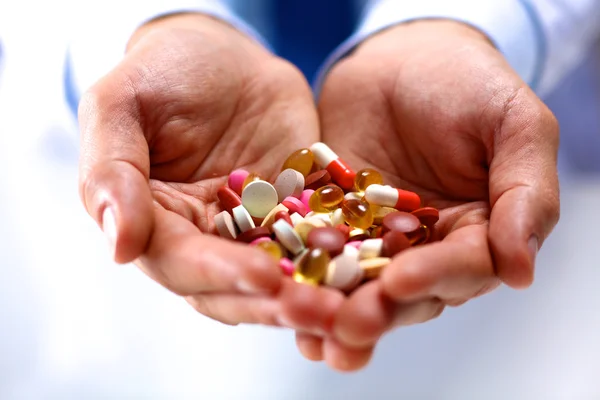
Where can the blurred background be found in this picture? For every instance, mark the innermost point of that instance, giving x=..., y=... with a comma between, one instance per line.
x=75, y=326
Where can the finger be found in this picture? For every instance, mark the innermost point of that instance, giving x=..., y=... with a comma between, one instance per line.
x=309, y=309
x=367, y=315
x=310, y=346
x=456, y=269
x=344, y=359
x=114, y=167
x=187, y=262
x=235, y=309
x=524, y=188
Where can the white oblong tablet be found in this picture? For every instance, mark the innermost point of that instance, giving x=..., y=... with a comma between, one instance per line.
x=225, y=225
x=259, y=197
x=287, y=236
x=270, y=218
x=243, y=219
x=289, y=183
x=370, y=248
x=373, y=267
x=337, y=217
x=296, y=219
x=344, y=271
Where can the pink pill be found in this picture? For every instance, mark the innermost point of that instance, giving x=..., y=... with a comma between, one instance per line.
x=295, y=206
x=355, y=244
x=287, y=266
x=305, y=197
x=260, y=240
x=236, y=180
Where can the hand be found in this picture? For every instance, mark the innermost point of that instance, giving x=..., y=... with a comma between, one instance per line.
x=435, y=107
x=192, y=100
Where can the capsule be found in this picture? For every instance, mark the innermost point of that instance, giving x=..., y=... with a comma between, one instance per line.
x=340, y=172
x=312, y=268
x=326, y=199
x=387, y=196
x=365, y=178
x=357, y=214
x=272, y=248
x=301, y=161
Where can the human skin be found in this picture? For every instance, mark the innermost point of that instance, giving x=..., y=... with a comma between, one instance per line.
x=437, y=109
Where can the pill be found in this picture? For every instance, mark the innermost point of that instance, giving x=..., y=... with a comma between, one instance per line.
x=294, y=206
x=312, y=268
x=287, y=266
x=344, y=272
x=345, y=229
x=376, y=232
x=327, y=238
x=252, y=177
x=370, y=248
x=325, y=217
x=380, y=212
x=259, y=197
x=273, y=249
x=236, y=180
x=243, y=219
x=394, y=242
x=357, y=214
x=304, y=228
x=358, y=234
x=228, y=199
x=354, y=196
x=288, y=237
x=296, y=219
x=317, y=180
x=420, y=236
x=428, y=216
x=365, y=178
x=260, y=240
x=326, y=199
x=401, y=222
x=305, y=197
x=298, y=258
x=356, y=244
x=373, y=267
x=289, y=183
x=225, y=225
x=301, y=160
x=284, y=216
x=340, y=172
x=399, y=199
x=337, y=217
x=270, y=218
x=252, y=234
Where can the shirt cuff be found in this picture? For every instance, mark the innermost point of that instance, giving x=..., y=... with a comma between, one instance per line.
x=512, y=25
x=101, y=35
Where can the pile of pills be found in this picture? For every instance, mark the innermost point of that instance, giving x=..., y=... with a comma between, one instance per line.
x=323, y=223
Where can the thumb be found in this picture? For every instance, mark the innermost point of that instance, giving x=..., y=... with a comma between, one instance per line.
x=524, y=188
x=114, y=166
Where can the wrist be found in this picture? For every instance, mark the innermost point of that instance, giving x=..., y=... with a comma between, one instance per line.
x=198, y=22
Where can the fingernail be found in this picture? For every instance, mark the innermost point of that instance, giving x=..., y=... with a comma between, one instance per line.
x=109, y=227
x=533, y=248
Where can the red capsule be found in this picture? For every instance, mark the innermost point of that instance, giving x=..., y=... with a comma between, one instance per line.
x=229, y=199
x=340, y=172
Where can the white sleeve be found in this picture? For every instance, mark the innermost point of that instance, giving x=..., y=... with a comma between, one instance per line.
x=542, y=39
x=103, y=28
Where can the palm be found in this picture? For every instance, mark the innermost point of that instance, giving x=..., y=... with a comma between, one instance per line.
x=203, y=121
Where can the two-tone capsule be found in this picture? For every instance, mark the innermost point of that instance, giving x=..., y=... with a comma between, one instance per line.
x=387, y=196
x=340, y=172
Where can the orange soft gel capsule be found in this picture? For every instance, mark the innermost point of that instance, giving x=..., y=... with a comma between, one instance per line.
x=322, y=222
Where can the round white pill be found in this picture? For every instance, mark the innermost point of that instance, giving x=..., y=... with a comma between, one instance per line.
x=289, y=183
x=225, y=225
x=259, y=197
x=243, y=219
x=287, y=236
x=370, y=248
x=344, y=271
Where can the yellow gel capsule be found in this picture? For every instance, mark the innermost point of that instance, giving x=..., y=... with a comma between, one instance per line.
x=312, y=268
x=365, y=178
x=357, y=214
x=326, y=199
x=272, y=248
x=380, y=212
x=251, y=178
x=301, y=161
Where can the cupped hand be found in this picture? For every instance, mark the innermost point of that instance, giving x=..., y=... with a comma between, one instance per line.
x=437, y=109
x=192, y=100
